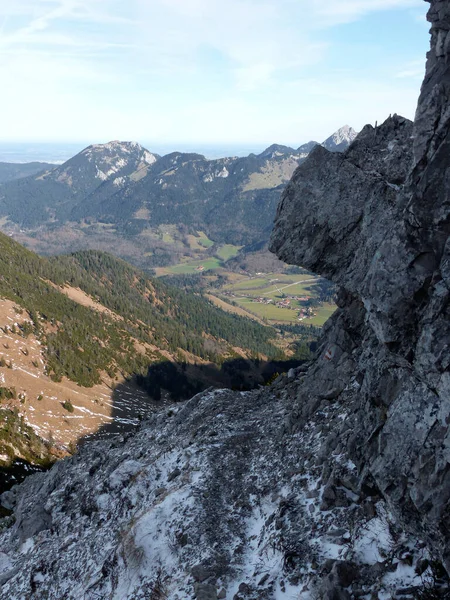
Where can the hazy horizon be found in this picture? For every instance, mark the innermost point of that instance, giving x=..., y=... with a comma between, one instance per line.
x=58, y=152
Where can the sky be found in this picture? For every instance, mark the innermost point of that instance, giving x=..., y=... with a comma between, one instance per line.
x=206, y=72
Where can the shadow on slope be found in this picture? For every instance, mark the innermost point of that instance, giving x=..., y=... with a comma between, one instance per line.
x=15, y=473
x=167, y=383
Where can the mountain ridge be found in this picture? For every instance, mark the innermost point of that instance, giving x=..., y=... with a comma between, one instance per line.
x=12, y=171
x=116, y=195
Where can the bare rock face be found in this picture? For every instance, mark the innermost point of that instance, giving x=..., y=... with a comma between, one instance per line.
x=376, y=220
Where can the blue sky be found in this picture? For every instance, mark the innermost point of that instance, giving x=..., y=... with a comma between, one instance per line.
x=206, y=71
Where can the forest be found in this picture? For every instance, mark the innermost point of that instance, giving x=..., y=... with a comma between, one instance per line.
x=81, y=343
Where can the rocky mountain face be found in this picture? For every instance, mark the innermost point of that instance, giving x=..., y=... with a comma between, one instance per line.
x=383, y=236
x=331, y=484
x=123, y=185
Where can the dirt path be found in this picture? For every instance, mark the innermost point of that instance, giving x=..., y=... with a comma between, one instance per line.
x=283, y=287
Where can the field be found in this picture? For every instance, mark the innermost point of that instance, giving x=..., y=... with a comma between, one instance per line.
x=269, y=297
x=209, y=263
x=228, y=251
x=278, y=298
x=194, y=266
x=167, y=238
x=237, y=310
x=268, y=311
x=199, y=242
x=204, y=240
x=323, y=314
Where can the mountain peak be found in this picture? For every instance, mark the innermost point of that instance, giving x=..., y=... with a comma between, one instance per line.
x=340, y=139
x=305, y=149
x=98, y=163
x=276, y=150
x=116, y=147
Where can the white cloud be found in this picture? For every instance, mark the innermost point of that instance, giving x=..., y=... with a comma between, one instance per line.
x=196, y=69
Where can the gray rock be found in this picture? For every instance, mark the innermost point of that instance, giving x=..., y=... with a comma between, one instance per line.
x=200, y=573
x=29, y=524
x=345, y=572
x=329, y=497
x=330, y=590
x=8, y=499
x=174, y=474
x=375, y=221
x=7, y=575
x=205, y=591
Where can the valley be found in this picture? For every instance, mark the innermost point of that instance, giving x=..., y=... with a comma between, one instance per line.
x=220, y=269
x=91, y=345
x=271, y=297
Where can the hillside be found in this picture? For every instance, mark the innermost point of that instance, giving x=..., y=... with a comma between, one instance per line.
x=93, y=331
x=11, y=171
x=118, y=197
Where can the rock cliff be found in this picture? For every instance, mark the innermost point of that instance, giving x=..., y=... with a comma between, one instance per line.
x=331, y=484
x=376, y=220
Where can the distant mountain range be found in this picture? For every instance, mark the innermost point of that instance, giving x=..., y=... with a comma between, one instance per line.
x=120, y=190
x=11, y=171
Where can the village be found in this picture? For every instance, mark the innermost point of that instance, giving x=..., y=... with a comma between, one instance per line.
x=286, y=302
x=304, y=312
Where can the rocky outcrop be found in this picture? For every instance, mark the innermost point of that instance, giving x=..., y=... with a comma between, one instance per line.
x=322, y=486
x=376, y=220
x=218, y=499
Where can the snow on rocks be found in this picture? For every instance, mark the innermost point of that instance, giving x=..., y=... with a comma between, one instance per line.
x=216, y=500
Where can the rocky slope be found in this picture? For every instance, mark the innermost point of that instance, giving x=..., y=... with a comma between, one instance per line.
x=382, y=234
x=333, y=483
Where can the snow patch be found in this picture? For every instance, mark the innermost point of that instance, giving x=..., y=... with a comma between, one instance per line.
x=124, y=473
x=223, y=173
x=149, y=158
x=101, y=175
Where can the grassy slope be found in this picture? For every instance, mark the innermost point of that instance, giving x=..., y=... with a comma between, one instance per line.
x=83, y=343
